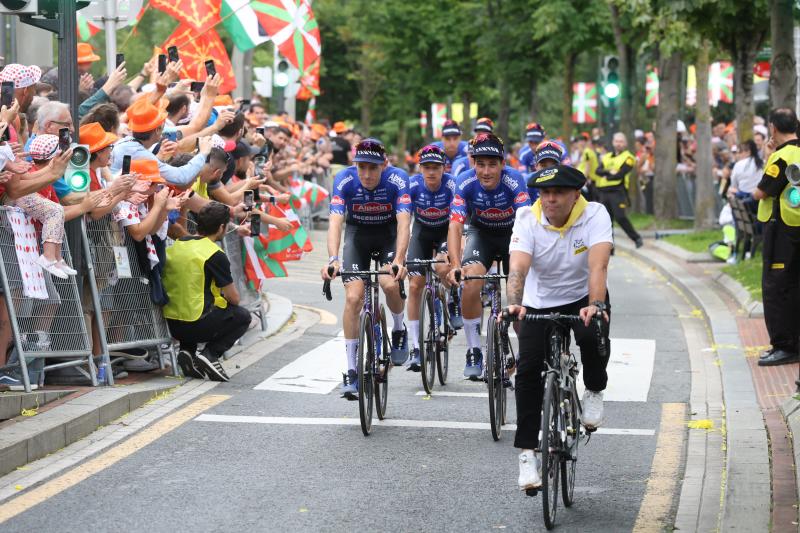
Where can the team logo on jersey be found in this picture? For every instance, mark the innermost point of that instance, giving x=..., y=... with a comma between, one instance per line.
x=372, y=208
x=521, y=197
x=457, y=200
x=344, y=182
x=578, y=246
x=405, y=199
x=337, y=200
x=493, y=213
x=432, y=212
x=397, y=180
x=508, y=180
x=466, y=182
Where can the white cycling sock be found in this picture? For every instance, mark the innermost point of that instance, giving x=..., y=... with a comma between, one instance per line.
x=413, y=334
x=351, y=347
x=472, y=331
x=397, y=319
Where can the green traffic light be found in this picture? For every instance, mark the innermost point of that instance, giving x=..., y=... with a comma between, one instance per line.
x=793, y=195
x=611, y=90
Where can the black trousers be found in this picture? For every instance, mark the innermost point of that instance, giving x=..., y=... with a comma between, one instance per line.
x=780, y=284
x=219, y=329
x=529, y=385
x=615, y=201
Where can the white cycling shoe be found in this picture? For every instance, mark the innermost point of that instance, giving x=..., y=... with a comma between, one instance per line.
x=592, y=416
x=529, y=476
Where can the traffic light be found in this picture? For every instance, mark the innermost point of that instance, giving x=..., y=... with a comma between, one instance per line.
x=46, y=8
x=281, y=74
x=77, y=173
x=611, y=87
x=793, y=192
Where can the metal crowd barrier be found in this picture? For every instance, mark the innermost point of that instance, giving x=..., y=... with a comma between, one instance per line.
x=51, y=327
x=253, y=300
x=120, y=292
x=686, y=195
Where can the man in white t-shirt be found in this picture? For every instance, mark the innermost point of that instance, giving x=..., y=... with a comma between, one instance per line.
x=559, y=250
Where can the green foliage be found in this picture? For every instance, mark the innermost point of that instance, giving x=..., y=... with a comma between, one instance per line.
x=748, y=273
x=696, y=241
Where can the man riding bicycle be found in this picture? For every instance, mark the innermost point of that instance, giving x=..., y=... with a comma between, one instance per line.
x=488, y=196
x=451, y=144
x=431, y=194
x=372, y=198
x=559, y=250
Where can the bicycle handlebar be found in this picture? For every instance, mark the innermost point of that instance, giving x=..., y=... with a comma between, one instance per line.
x=326, y=285
x=602, y=345
x=486, y=276
x=425, y=261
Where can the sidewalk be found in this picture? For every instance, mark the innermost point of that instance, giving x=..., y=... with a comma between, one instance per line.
x=756, y=481
x=79, y=411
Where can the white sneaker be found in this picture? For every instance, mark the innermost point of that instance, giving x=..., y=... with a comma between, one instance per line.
x=529, y=477
x=592, y=415
x=51, y=266
x=65, y=268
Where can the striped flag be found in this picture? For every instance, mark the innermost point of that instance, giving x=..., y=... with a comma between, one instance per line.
x=258, y=265
x=311, y=113
x=720, y=83
x=86, y=28
x=240, y=20
x=309, y=192
x=423, y=123
x=584, y=103
x=651, y=87
x=438, y=116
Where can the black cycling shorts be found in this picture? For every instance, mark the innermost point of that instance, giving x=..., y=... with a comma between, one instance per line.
x=423, y=242
x=484, y=246
x=360, y=242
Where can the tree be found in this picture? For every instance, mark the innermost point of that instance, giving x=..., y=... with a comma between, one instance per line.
x=783, y=76
x=704, y=203
x=669, y=90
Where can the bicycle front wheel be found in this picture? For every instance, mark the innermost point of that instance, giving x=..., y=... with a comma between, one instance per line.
x=366, y=358
x=494, y=380
x=427, y=340
x=569, y=460
x=443, y=348
x=550, y=445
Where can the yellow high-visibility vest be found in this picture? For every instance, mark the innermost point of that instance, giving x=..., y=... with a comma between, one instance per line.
x=789, y=154
x=184, y=279
x=613, y=163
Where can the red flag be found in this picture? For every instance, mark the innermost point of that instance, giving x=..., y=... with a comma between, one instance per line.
x=309, y=82
x=198, y=14
x=198, y=47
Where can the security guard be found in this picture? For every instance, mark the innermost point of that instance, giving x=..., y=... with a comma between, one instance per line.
x=612, y=184
x=779, y=210
x=203, y=301
x=589, y=163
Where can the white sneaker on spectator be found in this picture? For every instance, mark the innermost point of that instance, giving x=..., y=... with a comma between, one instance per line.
x=592, y=415
x=65, y=268
x=529, y=477
x=51, y=266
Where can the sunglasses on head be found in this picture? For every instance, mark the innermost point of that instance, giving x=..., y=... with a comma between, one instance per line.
x=483, y=137
x=370, y=145
x=431, y=150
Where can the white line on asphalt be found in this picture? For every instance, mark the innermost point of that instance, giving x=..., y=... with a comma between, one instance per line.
x=316, y=372
x=443, y=424
x=630, y=370
x=455, y=394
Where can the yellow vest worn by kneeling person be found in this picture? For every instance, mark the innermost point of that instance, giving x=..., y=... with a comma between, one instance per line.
x=790, y=216
x=184, y=279
x=613, y=163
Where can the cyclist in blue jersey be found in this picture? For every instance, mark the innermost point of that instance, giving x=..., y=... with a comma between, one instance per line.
x=460, y=165
x=371, y=199
x=483, y=125
x=431, y=194
x=451, y=144
x=534, y=134
x=548, y=154
x=487, y=197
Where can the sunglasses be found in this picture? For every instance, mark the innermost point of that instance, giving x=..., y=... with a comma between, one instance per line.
x=370, y=146
x=431, y=150
x=483, y=137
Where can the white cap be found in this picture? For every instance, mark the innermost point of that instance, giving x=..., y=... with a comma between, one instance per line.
x=681, y=126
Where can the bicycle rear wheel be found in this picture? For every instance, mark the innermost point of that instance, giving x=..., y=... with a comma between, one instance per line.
x=550, y=445
x=443, y=347
x=427, y=340
x=366, y=357
x=382, y=366
x=494, y=380
x=569, y=460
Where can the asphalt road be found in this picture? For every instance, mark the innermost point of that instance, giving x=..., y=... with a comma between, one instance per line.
x=251, y=474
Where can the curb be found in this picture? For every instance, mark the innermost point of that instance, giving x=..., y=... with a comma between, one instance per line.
x=791, y=413
x=746, y=502
x=753, y=308
x=680, y=253
x=31, y=438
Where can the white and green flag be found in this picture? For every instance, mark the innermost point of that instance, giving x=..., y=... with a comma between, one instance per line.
x=242, y=24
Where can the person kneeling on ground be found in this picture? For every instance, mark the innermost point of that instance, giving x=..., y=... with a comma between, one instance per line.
x=203, y=304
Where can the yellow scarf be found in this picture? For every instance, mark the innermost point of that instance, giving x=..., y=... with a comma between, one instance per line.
x=577, y=211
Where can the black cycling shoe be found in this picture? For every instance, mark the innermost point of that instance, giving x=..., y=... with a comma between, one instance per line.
x=188, y=367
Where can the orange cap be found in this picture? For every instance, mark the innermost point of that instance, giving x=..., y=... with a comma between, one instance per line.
x=144, y=116
x=147, y=170
x=223, y=100
x=96, y=137
x=340, y=127
x=86, y=53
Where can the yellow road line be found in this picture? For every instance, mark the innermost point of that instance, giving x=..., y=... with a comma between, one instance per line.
x=326, y=318
x=662, y=483
x=148, y=435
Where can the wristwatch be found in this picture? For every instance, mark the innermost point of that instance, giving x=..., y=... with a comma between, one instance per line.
x=600, y=305
x=333, y=258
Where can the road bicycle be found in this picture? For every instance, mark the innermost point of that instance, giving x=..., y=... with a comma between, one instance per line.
x=373, y=343
x=434, y=326
x=561, y=431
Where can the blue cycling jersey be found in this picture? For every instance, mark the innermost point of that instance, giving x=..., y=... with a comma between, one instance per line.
x=493, y=209
x=431, y=208
x=460, y=165
x=449, y=162
x=369, y=208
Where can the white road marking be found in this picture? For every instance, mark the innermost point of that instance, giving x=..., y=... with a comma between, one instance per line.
x=437, y=392
x=316, y=372
x=630, y=370
x=443, y=424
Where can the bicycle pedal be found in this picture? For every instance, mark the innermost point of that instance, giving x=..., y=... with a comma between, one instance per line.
x=531, y=492
x=589, y=430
